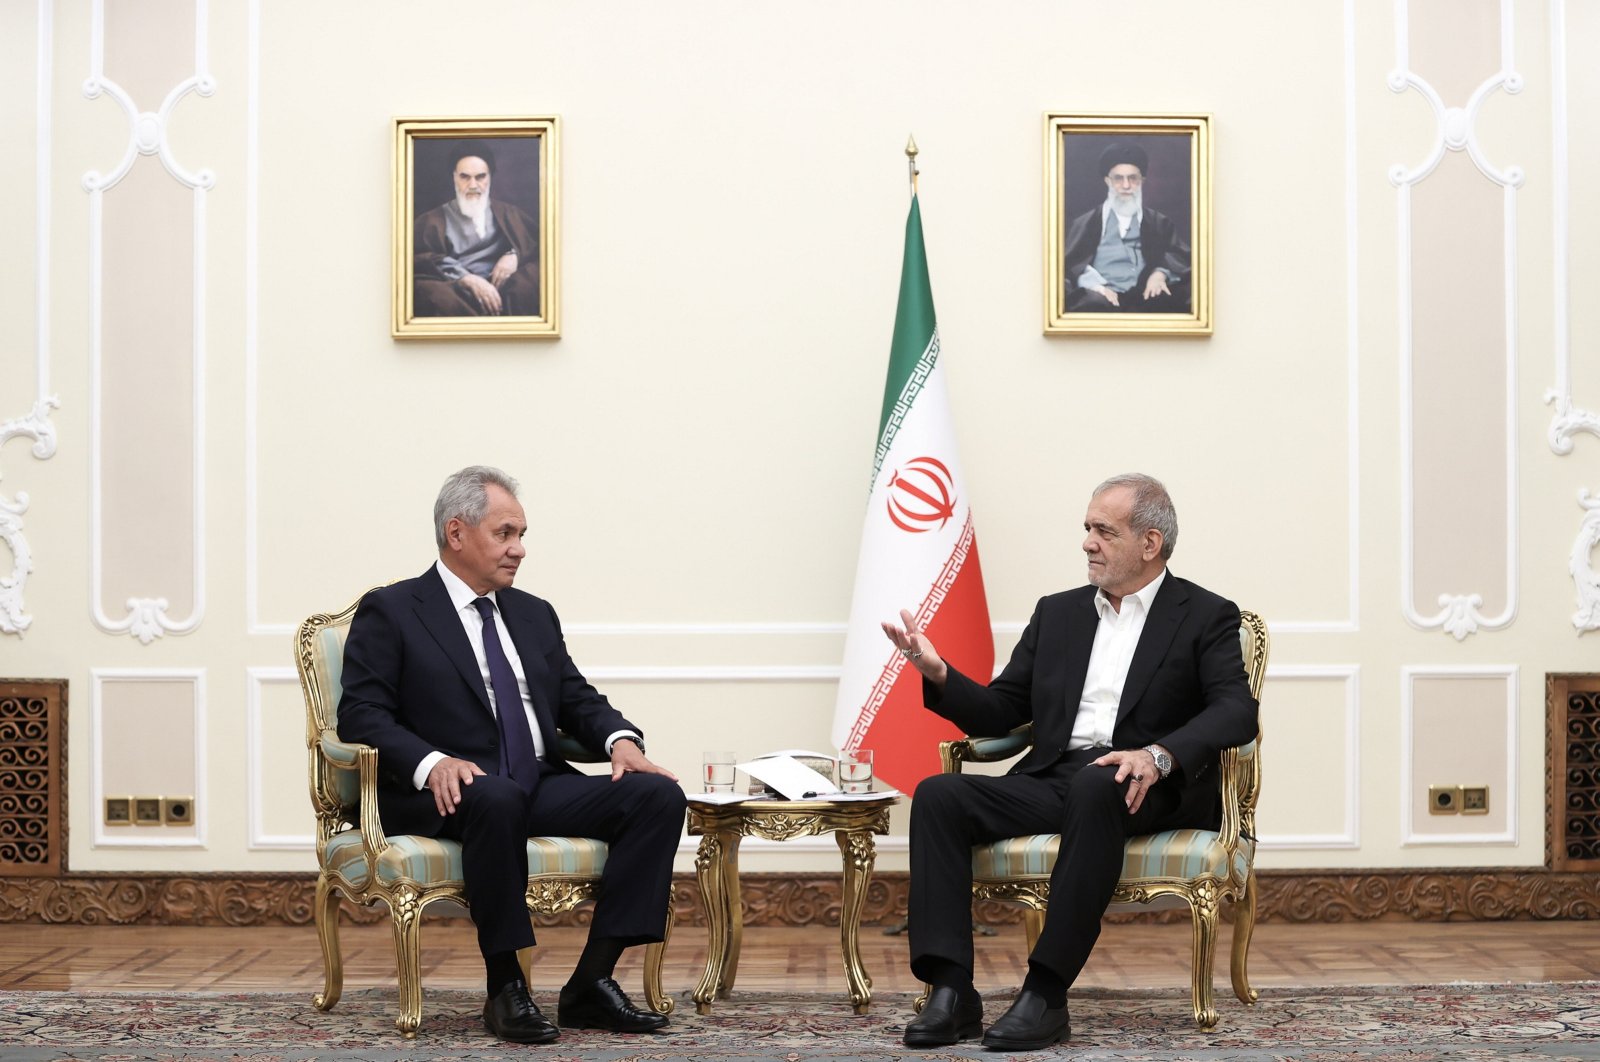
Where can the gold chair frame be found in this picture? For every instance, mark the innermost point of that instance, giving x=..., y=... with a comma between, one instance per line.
x=549, y=893
x=1241, y=788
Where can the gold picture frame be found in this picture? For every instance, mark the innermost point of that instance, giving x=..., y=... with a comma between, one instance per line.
x=465, y=273
x=1166, y=159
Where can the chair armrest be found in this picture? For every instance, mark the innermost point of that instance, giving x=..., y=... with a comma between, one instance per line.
x=984, y=749
x=572, y=750
x=363, y=759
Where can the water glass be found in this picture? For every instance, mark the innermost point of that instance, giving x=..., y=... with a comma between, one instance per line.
x=855, y=771
x=717, y=774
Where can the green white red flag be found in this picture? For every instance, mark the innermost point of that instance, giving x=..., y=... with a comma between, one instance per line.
x=918, y=551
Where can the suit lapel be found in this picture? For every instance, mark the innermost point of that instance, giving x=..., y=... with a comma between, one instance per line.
x=514, y=609
x=1081, y=622
x=1166, y=613
x=439, y=617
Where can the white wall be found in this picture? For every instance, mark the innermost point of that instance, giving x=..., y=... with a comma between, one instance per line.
x=695, y=447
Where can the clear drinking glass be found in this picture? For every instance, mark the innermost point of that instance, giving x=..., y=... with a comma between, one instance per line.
x=855, y=771
x=717, y=774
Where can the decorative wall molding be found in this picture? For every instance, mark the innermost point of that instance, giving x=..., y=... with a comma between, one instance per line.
x=1569, y=419
x=1424, y=895
x=1507, y=674
x=1350, y=676
x=146, y=617
x=256, y=794
x=134, y=836
x=1455, y=129
x=34, y=424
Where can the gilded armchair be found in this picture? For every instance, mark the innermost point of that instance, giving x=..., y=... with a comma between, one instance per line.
x=405, y=872
x=1198, y=867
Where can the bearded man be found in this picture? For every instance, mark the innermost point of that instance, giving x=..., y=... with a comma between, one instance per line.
x=1122, y=257
x=474, y=256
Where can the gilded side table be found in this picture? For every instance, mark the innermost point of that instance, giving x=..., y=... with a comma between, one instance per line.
x=721, y=827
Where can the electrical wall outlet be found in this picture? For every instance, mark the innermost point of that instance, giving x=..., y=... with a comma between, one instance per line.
x=177, y=811
x=1444, y=799
x=147, y=811
x=1474, y=800
x=119, y=811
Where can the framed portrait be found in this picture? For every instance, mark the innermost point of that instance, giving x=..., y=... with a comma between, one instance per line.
x=1127, y=244
x=477, y=211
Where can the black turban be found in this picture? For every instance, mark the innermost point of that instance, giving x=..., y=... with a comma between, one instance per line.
x=1119, y=153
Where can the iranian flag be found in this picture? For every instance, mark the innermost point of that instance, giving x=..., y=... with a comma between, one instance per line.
x=917, y=551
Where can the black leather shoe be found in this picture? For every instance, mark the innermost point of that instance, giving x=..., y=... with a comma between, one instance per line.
x=947, y=1018
x=604, y=1005
x=511, y=1015
x=1029, y=1025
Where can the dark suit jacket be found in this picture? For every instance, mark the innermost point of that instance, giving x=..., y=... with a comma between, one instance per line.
x=1159, y=240
x=412, y=686
x=1186, y=689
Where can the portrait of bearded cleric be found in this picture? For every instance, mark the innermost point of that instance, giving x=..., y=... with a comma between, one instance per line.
x=1127, y=221
x=475, y=227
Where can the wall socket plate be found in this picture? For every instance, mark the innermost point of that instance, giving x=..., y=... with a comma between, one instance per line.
x=177, y=811
x=118, y=811
x=1444, y=799
x=147, y=811
x=1474, y=800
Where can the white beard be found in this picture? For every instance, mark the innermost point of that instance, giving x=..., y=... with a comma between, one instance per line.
x=1126, y=206
x=477, y=210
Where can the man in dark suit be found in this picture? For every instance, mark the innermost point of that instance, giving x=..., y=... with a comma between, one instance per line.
x=461, y=682
x=1122, y=257
x=1134, y=684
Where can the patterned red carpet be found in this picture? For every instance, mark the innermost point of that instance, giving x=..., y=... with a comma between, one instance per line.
x=1461, y=1023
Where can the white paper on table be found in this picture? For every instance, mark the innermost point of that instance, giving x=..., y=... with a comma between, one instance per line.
x=718, y=798
x=790, y=777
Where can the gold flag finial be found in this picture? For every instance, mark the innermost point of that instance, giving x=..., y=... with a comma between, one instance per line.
x=911, y=161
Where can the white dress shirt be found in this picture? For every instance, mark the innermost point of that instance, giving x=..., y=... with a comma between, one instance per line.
x=1116, y=636
x=462, y=597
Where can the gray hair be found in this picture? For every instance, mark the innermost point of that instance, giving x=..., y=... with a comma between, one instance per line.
x=1152, y=507
x=465, y=495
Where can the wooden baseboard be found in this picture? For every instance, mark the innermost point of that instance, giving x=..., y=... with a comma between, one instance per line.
x=233, y=899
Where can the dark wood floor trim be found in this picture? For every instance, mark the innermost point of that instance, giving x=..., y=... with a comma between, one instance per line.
x=232, y=899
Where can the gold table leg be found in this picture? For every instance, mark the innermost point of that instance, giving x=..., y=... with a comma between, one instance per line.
x=716, y=865
x=858, y=852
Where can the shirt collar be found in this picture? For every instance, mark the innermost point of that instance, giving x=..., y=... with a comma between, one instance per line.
x=461, y=595
x=1145, y=595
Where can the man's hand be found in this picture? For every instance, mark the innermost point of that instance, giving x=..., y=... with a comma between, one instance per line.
x=915, y=647
x=629, y=758
x=1136, y=764
x=1108, y=295
x=480, y=291
x=1156, y=285
x=447, y=778
x=503, y=268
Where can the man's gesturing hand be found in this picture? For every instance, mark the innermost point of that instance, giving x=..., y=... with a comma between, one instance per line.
x=503, y=268
x=1137, y=765
x=1156, y=285
x=916, y=648
x=447, y=778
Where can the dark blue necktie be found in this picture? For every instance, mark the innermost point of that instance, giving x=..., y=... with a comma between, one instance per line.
x=517, y=757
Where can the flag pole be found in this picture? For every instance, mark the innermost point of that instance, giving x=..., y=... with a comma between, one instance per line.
x=911, y=163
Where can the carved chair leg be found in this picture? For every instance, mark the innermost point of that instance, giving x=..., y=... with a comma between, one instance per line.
x=406, y=917
x=1033, y=924
x=326, y=915
x=655, y=998
x=1244, y=924
x=1203, y=906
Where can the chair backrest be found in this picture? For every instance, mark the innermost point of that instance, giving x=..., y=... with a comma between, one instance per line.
x=1241, y=767
x=319, y=658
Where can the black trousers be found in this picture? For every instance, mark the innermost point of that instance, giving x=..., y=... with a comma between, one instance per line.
x=640, y=816
x=953, y=812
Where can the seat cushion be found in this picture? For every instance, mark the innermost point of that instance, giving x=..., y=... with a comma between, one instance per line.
x=1170, y=854
x=431, y=861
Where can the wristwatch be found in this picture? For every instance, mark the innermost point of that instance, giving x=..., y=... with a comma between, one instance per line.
x=639, y=741
x=1163, y=760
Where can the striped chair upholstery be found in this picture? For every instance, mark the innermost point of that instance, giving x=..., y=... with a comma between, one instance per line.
x=407, y=873
x=1197, y=867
